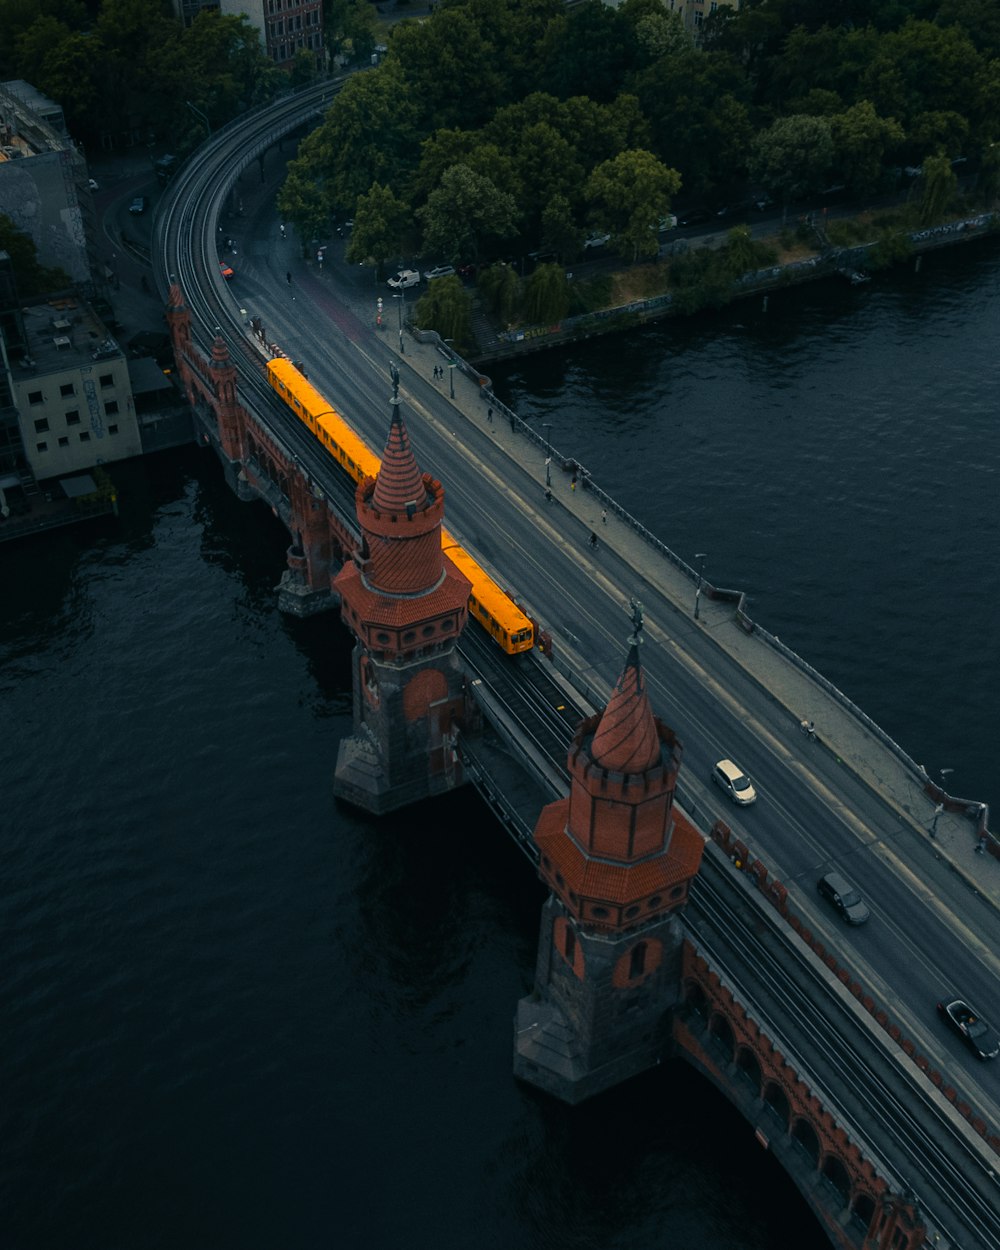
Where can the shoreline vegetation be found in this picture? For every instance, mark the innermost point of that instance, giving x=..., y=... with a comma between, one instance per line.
x=687, y=280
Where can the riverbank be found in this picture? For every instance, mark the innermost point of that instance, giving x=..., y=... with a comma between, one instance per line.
x=854, y=264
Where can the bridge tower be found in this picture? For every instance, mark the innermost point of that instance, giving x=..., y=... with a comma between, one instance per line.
x=406, y=604
x=618, y=859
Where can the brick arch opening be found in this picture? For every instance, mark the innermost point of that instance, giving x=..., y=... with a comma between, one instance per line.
x=721, y=1033
x=776, y=1102
x=804, y=1136
x=836, y=1176
x=863, y=1210
x=695, y=998
x=749, y=1068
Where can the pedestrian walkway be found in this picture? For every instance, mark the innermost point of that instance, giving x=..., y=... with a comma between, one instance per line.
x=839, y=729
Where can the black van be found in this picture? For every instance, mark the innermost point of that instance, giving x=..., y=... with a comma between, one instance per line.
x=844, y=897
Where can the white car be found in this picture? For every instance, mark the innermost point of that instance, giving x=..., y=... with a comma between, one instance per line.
x=403, y=279
x=596, y=240
x=442, y=271
x=734, y=782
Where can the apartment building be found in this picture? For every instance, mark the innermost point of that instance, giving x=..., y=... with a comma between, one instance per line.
x=285, y=26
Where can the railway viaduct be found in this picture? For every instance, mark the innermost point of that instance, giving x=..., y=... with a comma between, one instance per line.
x=659, y=938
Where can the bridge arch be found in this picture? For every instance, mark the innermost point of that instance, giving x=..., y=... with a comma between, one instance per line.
x=835, y=1174
x=695, y=997
x=806, y=1138
x=749, y=1068
x=776, y=1102
x=863, y=1210
x=721, y=1033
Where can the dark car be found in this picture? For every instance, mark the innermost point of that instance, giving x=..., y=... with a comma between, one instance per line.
x=844, y=897
x=694, y=217
x=138, y=206
x=970, y=1027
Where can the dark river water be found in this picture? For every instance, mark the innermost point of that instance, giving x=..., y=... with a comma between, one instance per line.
x=236, y=1016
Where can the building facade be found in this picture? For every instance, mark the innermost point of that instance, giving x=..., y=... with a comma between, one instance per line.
x=44, y=184
x=285, y=26
x=71, y=390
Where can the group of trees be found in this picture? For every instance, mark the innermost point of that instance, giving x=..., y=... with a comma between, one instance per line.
x=125, y=67
x=503, y=120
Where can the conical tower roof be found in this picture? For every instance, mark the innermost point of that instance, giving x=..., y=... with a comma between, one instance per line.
x=399, y=483
x=626, y=740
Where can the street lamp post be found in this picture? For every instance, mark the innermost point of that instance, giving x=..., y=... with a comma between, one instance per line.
x=701, y=557
x=401, y=296
x=198, y=113
x=546, y=426
x=451, y=378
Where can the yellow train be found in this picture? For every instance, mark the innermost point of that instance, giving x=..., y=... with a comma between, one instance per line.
x=495, y=611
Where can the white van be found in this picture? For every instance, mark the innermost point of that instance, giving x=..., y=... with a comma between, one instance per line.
x=403, y=279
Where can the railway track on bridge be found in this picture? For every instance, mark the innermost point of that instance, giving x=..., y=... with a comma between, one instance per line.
x=922, y=1146
x=815, y=1023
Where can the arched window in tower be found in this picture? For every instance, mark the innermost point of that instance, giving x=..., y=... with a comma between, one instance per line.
x=569, y=944
x=637, y=961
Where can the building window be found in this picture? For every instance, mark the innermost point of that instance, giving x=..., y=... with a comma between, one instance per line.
x=64, y=441
x=34, y=397
x=42, y=446
x=41, y=425
x=111, y=407
x=67, y=389
x=107, y=379
x=112, y=429
x=85, y=436
x=73, y=417
x=569, y=944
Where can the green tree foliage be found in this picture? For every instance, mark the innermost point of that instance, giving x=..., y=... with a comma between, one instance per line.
x=32, y=278
x=546, y=295
x=588, y=51
x=861, y=141
x=380, y=224
x=988, y=183
x=60, y=62
x=559, y=230
x=301, y=202
x=500, y=287
x=464, y=212
x=367, y=136
x=445, y=306
x=793, y=157
x=939, y=187
x=629, y=194
x=18, y=16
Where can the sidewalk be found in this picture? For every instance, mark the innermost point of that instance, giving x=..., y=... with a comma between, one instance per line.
x=953, y=835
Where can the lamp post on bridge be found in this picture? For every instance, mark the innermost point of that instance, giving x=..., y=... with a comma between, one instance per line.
x=401, y=296
x=944, y=773
x=546, y=426
x=701, y=557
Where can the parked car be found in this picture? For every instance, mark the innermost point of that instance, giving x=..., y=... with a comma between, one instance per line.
x=225, y=270
x=138, y=206
x=734, y=783
x=403, y=279
x=694, y=217
x=843, y=897
x=666, y=223
x=441, y=271
x=468, y=271
x=970, y=1027
x=596, y=240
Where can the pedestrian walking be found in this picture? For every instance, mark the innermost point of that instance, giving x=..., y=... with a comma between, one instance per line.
x=572, y=484
x=593, y=539
x=548, y=495
x=288, y=278
x=512, y=429
x=604, y=516
x=489, y=415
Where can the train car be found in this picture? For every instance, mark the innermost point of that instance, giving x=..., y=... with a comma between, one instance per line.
x=498, y=614
x=313, y=409
x=495, y=611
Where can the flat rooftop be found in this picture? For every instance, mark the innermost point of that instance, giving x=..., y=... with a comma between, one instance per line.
x=62, y=334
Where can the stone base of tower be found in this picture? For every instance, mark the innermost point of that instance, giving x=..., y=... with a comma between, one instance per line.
x=295, y=598
x=547, y=1055
x=361, y=780
x=601, y=1009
